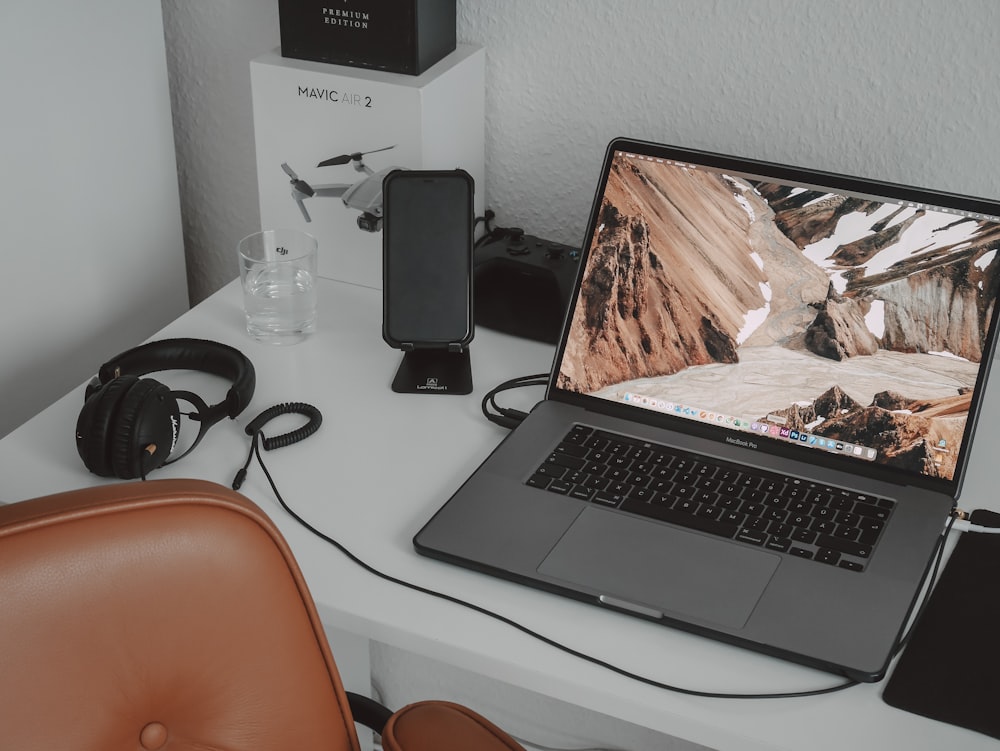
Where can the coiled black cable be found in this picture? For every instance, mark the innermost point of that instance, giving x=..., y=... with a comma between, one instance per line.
x=256, y=427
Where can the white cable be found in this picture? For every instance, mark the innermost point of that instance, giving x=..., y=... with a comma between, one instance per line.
x=963, y=525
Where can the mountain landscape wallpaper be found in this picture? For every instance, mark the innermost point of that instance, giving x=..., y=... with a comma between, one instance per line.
x=852, y=319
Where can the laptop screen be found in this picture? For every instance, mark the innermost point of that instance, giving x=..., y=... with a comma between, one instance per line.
x=786, y=309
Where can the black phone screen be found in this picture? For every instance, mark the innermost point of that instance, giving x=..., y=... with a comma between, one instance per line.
x=427, y=258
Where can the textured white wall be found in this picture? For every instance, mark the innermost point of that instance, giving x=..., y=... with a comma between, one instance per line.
x=894, y=89
x=900, y=90
x=91, y=248
x=209, y=48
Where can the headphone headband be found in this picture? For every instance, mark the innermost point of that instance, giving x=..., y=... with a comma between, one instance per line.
x=188, y=354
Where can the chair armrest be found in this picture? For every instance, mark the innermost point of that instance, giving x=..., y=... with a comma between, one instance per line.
x=368, y=712
x=443, y=726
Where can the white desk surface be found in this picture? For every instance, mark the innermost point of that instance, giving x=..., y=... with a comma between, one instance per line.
x=380, y=466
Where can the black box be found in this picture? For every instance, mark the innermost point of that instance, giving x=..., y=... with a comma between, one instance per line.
x=400, y=36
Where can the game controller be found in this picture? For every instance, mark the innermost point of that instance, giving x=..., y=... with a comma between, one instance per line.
x=523, y=284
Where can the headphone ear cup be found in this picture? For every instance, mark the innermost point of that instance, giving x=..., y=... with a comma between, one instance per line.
x=95, y=424
x=144, y=430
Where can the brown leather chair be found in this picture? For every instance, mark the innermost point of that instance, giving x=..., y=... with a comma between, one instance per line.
x=171, y=614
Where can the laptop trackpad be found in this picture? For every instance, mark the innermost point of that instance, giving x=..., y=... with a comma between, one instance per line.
x=661, y=568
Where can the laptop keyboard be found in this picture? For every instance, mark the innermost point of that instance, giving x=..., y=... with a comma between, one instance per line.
x=783, y=514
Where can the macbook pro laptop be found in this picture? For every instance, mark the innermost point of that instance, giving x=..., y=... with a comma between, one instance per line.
x=760, y=408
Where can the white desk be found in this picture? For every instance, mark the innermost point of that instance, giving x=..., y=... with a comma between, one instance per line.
x=382, y=463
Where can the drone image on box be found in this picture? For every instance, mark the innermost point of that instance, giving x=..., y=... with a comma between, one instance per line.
x=365, y=195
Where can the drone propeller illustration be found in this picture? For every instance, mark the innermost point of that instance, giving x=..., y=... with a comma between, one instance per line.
x=365, y=195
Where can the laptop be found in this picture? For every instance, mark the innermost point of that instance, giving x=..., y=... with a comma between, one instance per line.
x=760, y=409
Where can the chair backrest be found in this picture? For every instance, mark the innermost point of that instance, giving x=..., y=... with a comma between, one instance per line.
x=167, y=614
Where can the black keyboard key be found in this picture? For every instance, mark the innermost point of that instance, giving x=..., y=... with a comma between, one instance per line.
x=619, y=461
x=728, y=502
x=618, y=448
x=568, y=448
x=823, y=526
x=665, y=487
x=775, y=514
x=596, y=482
x=552, y=471
x=856, y=549
x=709, y=512
x=820, y=497
x=605, y=498
x=757, y=523
x=539, y=481
x=708, y=483
x=774, y=501
x=582, y=492
x=825, y=555
x=566, y=460
x=751, y=536
x=868, y=524
x=868, y=537
x=799, y=506
x=684, y=478
x=727, y=475
x=779, y=544
x=706, y=496
x=780, y=529
x=872, y=512
x=847, y=519
x=845, y=532
x=661, y=459
x=804, y=535
x=733, y=517
x=823, y=512
x=639, y=454
x=686, y=505
x=641, y=494
x=800, y=552
x=797, y=519
x=664, y=473
x=684, y=491
x=772, y=486
x=841, y=503
x=796, y=491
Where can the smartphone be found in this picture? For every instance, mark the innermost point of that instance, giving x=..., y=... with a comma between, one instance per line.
x=427, y=229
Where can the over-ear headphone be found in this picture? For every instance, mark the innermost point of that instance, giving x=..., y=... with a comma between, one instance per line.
x=129, y=425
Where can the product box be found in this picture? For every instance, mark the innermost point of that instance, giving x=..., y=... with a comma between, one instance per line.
x=327, y=135
x=401, y=36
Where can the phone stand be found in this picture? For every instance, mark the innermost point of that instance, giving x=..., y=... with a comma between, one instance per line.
x=434, y=371
x=427, y=278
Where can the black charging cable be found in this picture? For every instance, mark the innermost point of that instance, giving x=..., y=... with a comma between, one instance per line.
x=507, y=417
x=492, y=233
x=256, y=431
x=315, y=419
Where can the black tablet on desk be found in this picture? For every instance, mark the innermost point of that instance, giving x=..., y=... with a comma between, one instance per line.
x=950, y=670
